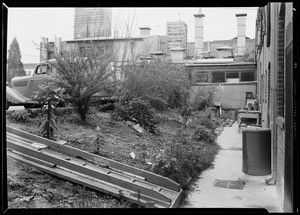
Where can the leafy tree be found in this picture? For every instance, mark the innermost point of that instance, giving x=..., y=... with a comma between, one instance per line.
x=83, y=73
x=15, y=66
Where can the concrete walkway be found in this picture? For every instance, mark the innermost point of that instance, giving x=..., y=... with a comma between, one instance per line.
x=228, y=166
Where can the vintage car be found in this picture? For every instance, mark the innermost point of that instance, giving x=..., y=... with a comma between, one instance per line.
x=21, y=89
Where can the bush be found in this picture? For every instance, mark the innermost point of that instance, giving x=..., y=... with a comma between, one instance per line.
x=204, y=97
x=208, y=123
x=20, y=116
x=184, y=162
x=158, y=104
x=204, y=134
x=138, y=111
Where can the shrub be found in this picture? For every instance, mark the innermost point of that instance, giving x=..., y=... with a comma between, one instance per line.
x=204, y=97
x=138, y=111
x=20, y=116
x=184, y=162
x=208, y=123
x=204, y=134
x=158, y=104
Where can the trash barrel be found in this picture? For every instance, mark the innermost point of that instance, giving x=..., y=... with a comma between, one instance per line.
x=256, y=151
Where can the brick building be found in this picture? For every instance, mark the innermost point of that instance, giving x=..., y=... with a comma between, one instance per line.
x=274, y=55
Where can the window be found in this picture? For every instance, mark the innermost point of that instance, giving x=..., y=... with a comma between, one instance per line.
x=201, y=77
x=218, y=77
x=43, y=69
x=232, y=75
x=247, y=76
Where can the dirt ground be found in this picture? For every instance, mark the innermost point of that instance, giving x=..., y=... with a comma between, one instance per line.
x=29, y=187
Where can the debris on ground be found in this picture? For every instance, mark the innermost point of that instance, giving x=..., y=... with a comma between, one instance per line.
x=138, y=128
x=132, y=155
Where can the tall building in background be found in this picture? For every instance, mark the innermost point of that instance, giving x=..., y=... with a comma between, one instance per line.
x=176, y=35
x=92, y=22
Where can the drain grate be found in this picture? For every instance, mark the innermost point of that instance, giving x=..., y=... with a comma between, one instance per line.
x=228, y=184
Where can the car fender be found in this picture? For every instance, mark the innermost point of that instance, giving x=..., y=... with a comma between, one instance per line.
x=13, y=96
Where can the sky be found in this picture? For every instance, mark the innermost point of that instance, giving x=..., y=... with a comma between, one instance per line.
x=28, y=25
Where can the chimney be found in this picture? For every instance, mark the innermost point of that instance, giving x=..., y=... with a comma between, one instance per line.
x=199, y=32
x=241, y=33
x=144, y=31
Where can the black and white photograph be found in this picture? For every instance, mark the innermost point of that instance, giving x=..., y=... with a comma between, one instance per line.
x=139, y=108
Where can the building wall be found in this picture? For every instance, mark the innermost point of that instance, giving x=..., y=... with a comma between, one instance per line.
x=274, y=39
x=231, y=95
x=163, y=44
x=280, y=163
x=289, y=187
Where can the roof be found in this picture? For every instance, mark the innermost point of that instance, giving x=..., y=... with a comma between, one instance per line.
x=177, y=49
x=200, y=15
x=224, y=48
x=157, y=53
x=235, y=38
x=108, y=38
x=241, y=14
x=204, y=52
x=145, y=28
x=219, y=62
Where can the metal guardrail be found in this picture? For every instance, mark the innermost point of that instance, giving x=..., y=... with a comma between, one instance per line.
x=93, y=171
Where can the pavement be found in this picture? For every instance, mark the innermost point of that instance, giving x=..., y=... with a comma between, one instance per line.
x=228, y=166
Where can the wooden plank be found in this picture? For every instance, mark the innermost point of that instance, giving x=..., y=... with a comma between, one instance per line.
x=91, y=183
x=39, y=161
x=151, y=177
x=169, y=193
x=79, y=179
x=85, y=170
x=176, y=203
